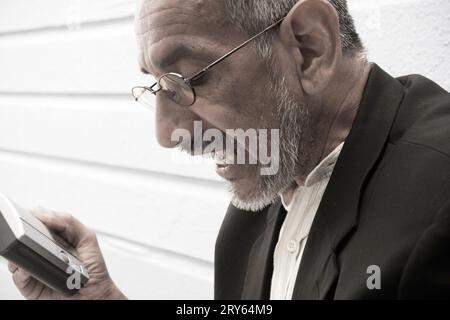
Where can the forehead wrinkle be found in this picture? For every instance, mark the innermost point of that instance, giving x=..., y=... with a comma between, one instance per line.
x=201, y=39
x=164, y=21
x=148, y=23
x=153, y=31
x=161, y=10
x=168, y=29
x=192, y=13
x=201, y=7
x=168, y=24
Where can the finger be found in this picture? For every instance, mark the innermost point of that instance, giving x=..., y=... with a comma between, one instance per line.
x=66, y=226
x=49, y=218
x=21, y=278
x=12, y=267
x=28, y=286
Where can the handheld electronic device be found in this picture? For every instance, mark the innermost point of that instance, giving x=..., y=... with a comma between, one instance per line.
x=27, y=242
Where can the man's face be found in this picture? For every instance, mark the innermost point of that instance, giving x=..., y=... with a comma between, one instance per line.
x=239, y=93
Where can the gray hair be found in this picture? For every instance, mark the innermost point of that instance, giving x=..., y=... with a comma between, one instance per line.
x=252, y=16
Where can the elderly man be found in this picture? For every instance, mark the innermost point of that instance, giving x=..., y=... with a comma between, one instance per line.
x=359, y=206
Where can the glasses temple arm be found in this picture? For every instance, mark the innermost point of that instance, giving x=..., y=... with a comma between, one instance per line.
x=234, y=50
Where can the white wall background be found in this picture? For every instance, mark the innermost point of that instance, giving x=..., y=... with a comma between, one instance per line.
x=72, y=139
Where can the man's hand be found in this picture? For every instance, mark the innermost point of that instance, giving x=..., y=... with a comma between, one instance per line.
x=100, y=285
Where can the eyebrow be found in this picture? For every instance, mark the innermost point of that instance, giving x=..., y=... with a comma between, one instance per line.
x=144, y=71
x=174, y=54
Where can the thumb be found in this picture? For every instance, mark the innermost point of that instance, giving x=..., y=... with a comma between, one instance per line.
x=66, y=226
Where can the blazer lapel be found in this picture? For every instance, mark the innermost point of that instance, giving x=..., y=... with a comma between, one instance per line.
x=337, y=215
x=260, y=266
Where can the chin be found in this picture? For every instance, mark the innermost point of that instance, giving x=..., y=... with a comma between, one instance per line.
x=244, y=183
x=249, y=194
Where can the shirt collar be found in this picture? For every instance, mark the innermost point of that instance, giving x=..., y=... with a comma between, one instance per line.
x=322, y=171
x=325, y=168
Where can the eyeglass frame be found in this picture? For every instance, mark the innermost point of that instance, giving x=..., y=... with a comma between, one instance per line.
x=188, y=81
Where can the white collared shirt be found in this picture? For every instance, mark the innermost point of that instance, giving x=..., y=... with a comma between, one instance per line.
x=301, y=210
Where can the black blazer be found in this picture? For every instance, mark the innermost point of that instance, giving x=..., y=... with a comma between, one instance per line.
x=387, y=204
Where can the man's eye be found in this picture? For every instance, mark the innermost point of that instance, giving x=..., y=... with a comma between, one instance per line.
x=170, y=93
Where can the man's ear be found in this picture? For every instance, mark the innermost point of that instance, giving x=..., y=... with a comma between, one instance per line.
x=310, y=32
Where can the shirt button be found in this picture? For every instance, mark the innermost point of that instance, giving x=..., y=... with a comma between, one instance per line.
x=292, y=246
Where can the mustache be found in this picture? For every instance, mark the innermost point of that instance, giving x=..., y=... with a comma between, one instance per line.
x=192, y=147
x=197, y=148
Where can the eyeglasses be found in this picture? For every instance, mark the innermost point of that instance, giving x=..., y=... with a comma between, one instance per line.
x=180, y=89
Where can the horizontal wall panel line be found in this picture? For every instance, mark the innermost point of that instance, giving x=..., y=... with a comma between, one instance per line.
x=189, y=181
x=84, y=95
x=142, y=247
x=25, y=14
x=60, y=33
x=73, y=101
x=64, y=28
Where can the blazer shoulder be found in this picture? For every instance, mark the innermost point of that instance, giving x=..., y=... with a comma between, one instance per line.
x=424, y=115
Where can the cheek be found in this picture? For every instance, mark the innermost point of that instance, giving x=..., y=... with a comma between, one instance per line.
x=256, y=103
x=222, y=111
x=236, y=102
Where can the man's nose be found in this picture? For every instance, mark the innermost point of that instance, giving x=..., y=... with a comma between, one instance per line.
x=170, y=117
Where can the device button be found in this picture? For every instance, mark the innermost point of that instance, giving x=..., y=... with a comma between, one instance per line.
x=64, y=257
x=76, y=268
